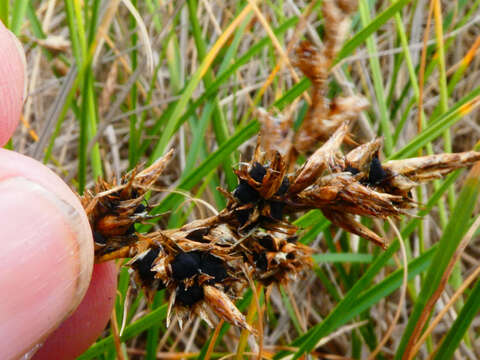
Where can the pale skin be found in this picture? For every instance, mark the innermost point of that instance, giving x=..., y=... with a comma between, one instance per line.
x=46, y=247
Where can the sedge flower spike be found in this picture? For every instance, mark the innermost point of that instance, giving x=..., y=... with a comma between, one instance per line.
x=208, y=263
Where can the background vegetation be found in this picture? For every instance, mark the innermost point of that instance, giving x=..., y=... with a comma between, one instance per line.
x=115, y=83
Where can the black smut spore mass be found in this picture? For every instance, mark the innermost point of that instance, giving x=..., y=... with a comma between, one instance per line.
x=276, y=209
x=213, y=266
x=198, y=234
x=99, y=238
x=190, y=296
x=282, y=190
x=261, y=261
x=376, y=174
x=140, y=208
x=245, y=193
x=131, y=230
x=352, y=170
x=185, y=265
x=267, y=242
x=292, y=239
x=249, y=228
x=243, y=216
x=257, y=172
x=143, y=266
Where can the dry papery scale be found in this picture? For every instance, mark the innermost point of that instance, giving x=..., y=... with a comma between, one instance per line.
x=207, y=264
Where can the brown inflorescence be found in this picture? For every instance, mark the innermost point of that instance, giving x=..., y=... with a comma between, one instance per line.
x=207, y=264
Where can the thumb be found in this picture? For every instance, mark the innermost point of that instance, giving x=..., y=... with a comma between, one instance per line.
x=46, y=253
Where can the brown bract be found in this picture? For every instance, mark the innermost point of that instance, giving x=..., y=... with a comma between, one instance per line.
x=324, y=116
x=113, y=209
x=408, y=173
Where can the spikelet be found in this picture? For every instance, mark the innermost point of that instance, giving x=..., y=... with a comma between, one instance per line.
x=113, y=209
x=324, y=116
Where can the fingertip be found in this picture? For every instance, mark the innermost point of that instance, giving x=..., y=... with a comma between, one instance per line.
x=45, y=263
x=46, y=253
x=12, y=82
x=86, y=324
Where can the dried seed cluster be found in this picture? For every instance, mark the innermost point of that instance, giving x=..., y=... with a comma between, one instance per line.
x=206, y=265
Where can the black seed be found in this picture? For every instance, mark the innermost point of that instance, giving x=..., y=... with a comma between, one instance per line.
x=243, y=216
x=267, y=242
x=352, y=170
x=213, y=266
x=261, y=261
x=257, y=172
x=282, y=190
x=276, y=209
x=245, y=193
x=185, y=265
x=292, y=239
x=249, y=228
x=376, y=173
x=143, y=266
x=130, y=230
x=99, y=238
x=188, y=297
x=140, y=208
x=198, y=234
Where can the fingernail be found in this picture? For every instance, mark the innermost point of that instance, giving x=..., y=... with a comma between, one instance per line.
x=46, y=260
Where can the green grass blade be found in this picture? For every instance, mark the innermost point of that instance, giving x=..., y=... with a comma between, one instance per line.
x=288, y=305
x=83, y=143
x=374, y=294
x=95, y=157
x=391, y=283
x=294, y=92
x=133, y=140
x=153, y=334
x=131, y=330
x=4, y=5
x=370, y=28
x=34, y=22
x=242, y=60
x=454, y=114
x=343, y=257
x=336, y=317
x=220, y=125
x=18, y=15
x=377, y=80
x=176, y=118
x=309, y=219
x=452, y=235
x=460, y=326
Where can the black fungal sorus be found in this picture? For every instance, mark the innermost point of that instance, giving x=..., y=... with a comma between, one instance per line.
x=188, y=296
x=143, y=266
x=185, y=265
x=376, y=174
